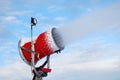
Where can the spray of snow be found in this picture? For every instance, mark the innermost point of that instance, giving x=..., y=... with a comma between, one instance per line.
x=95, y=20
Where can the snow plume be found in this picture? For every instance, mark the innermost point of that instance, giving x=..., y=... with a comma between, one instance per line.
x=98, y=19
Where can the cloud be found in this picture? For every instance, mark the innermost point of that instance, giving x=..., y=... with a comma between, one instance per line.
x=10, y=18
x=79, y=61
x=80, y=54
x=5, y=6
x=5, y=33
x=96, y=65
x=20, y=13
x=99, y=19
x=59, y=19
x=95, y=1
x=15, y=71
x=11, y=27
x=6, y=20
x=76, y=61
x=55, y=8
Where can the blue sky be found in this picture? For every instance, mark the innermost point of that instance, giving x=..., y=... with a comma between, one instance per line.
x=92, y=57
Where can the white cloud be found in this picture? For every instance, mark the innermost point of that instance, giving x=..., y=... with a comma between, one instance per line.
x=104, y=65
x=59, y=18
x=5, y=33
x=16, y=71
x=101, y=57
x=95, y=1
x=54, y=8
x=5, y=20
x=10, y=18
x=41, y=16
x=71, y=62
x=20, y=13
x=99, y=19
x=5, y=6
x=103, y=60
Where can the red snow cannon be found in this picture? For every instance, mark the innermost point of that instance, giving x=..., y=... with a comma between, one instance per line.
x=45, y=44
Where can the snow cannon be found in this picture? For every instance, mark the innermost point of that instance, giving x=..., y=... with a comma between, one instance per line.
x=45, y=44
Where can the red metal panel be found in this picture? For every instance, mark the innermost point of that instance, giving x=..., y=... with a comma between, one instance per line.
x=42, y=48
x=27, y=54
